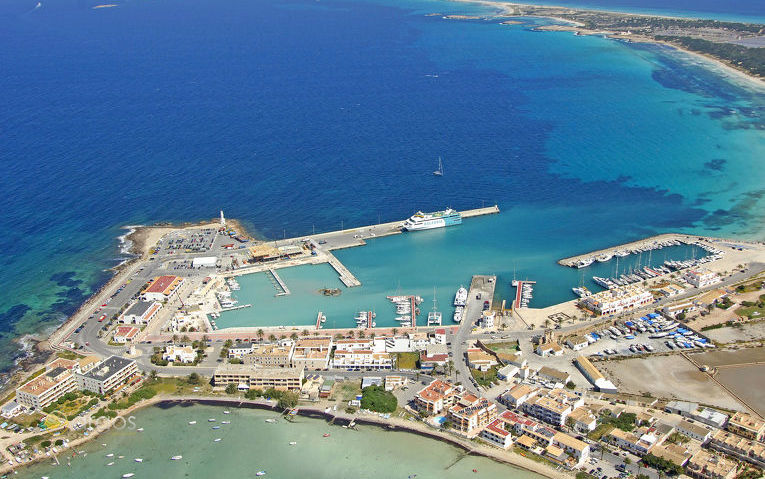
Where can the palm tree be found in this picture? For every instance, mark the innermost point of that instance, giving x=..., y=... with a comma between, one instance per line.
x=261, y=334
x=294, y=336
x=361, y=334
x=272, y=337
x=395, y=331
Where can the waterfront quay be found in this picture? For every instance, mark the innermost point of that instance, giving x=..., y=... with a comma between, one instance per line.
x=635, y=245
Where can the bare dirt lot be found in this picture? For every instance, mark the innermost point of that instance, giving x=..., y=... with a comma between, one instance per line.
x=728, y=357
x=667, y=377
x=739, y=332
x=748, y=382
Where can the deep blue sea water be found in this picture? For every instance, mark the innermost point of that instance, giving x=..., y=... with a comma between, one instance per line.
x=297, y=114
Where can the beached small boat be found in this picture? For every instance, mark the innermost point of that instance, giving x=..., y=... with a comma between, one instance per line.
x=176, y=458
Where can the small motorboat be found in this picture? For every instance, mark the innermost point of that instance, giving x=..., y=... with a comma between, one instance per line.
x=176, y=458
x=111, y=454
x=110, y=464
x=292, y=443
x=138, y=459
x=271, y=420
x=129, y=474
x=326, y=434
x=217, y=439
x=225, y=422
x=226, y=412
x=260, y=473
x=216, y=427
x=211, y=420
x=192, y=422
x=140, y=429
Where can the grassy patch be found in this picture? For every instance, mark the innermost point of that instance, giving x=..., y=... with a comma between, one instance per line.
x=347, y=390
x=509, y=347
x=485, y=378
x=69, y=355
x=600, y=431
x=408, y=360
x=752, y=312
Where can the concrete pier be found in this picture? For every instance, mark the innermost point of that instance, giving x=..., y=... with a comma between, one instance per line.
x=348, y=279
x=285, y=290
x=573, y=260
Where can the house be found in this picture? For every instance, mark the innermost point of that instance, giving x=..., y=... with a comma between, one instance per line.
x=701, y=278
x=125, y=334
x=746, y=425
x=683, y=408
x=311, y=389
x=640, y=441
x=368, y=381
x=554, y=375
x=312, y=353
x=418, y=341
x=582, y=420
x=469, y=414
x=517, y=395
x=439, y=336
x=433, y=355
x=140, y=312
x=437, y=397
x=549, y=349
x=109, y=374
x=11, y=409
x=181, y=354
x=710, y=417
x=479, y=359
x=161, y=287
x=497, y=434
x=708, y=465
x=487, y=319
x=673, y=311
x=693, y=430
x=577, y=342
x=745, y=449
x=515, y=359
x=506, y=373
x=395, y=382
x=678, y=454
x=578, y=450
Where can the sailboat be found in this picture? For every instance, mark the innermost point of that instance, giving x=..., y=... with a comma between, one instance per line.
x=440, y=170
x=434, y=317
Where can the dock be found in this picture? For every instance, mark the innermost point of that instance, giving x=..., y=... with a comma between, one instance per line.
x=280, y=283
x=643, y=243
x=347, y=278
x=320, y=318
x=234, y=308
x=519, y=293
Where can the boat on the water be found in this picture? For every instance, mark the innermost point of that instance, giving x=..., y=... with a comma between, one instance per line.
x=192, y=422
x=138, y=459
x=440, y=170
x=460, y=298
x=260, y=473
x=436, y=219
x=129, y=474
x=176, y=458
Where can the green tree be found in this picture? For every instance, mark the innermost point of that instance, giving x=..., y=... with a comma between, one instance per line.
x=261, y=333
x=231, y=389
x=194, y=378
x=376, y=398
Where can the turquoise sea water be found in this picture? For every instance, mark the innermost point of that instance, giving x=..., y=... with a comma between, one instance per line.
x=297, y=114
x=249, y=444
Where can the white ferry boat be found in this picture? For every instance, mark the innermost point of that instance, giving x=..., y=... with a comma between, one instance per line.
x=458, y=314
x=437, y=219
x=460, y=299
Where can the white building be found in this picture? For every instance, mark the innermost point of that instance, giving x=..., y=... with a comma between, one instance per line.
x=361, y=359
x=487, y=319
x=140, y=312
x=701, y=278
x=616, y=300
x=204, y=262
x=112, y=372
x=577, y=342
x=183, y=354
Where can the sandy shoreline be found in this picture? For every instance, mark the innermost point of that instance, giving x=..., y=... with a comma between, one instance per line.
x=508, y=9
x=335, y=417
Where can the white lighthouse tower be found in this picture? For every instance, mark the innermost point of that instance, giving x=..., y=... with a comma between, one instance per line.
x=222, y=219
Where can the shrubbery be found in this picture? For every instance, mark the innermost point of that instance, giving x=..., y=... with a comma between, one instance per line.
x=376, y=398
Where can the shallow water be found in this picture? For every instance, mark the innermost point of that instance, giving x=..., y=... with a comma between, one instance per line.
x=249, y=444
